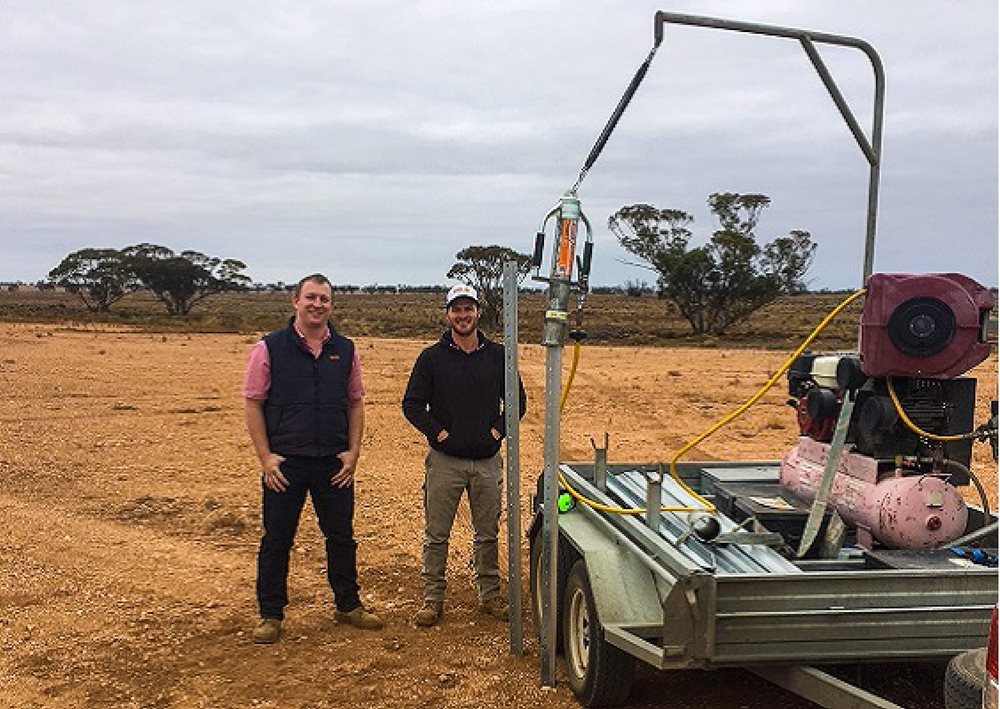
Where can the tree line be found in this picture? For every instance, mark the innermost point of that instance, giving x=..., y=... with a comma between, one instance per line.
x=713, y=286
x=102, y=277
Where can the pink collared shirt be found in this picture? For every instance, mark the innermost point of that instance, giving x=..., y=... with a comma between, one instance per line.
x=257, y=380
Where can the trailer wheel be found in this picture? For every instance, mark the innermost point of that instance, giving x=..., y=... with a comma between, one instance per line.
x=964, y=680
x=535, y=585
x=599, y=673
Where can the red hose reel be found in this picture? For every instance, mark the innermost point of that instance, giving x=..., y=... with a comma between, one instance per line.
x=929, y=325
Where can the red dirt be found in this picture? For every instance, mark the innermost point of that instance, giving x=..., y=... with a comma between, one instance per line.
x=130, y=516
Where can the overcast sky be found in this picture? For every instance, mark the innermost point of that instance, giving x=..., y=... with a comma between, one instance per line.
x=373, y=140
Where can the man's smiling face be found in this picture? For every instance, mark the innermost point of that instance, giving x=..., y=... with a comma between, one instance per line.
x=314, y=304
x=463, y=316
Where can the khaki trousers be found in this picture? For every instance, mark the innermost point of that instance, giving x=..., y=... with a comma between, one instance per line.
x=446, y=479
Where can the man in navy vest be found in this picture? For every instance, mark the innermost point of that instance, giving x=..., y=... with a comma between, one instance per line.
x=305, y=415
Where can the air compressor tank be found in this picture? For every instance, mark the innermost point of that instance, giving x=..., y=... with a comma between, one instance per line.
x=901, y=511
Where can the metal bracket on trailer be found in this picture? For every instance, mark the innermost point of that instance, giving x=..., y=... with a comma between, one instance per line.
x=821, y=687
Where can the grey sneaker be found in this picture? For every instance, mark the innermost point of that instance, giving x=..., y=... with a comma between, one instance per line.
x=495, y=606
x=268, y=631
x=360, y=618
x=429, y=614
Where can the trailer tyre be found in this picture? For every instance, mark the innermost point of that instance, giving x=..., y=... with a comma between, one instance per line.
x=964, y=680
x=535, y=584
x=599, y=673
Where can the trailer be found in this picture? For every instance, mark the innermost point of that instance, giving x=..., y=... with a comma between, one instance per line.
x=854, y=547
x=646, y=588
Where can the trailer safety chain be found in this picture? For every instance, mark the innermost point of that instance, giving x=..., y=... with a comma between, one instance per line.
x=707, y=506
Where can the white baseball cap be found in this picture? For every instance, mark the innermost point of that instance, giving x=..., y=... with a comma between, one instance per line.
x=461, y=291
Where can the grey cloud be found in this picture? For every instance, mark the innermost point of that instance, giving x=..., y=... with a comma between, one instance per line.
x=283, y=134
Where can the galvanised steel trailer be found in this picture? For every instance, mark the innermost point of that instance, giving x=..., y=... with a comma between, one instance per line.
x=646, y=588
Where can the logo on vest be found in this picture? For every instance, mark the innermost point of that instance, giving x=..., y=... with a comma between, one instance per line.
x=334, y=357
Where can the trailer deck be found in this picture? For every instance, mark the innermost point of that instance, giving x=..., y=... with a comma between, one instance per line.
x=726, y=604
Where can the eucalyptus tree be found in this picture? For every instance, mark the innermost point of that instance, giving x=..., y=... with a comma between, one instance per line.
x=718, y=284
x=101, y=277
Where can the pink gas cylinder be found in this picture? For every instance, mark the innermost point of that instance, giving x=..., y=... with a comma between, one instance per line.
x=901, y=511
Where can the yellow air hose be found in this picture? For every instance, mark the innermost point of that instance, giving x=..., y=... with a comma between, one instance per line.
x=707, y=506
x=914, y=427
x=569, y=380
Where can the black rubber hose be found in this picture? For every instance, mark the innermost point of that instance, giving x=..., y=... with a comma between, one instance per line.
x=961, y=468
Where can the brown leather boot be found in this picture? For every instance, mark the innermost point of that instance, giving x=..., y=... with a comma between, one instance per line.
x=429, y=614
x=360, y=618
x=495, y=606
x=268, y=631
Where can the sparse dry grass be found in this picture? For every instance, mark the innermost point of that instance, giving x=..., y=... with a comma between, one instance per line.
x=607, y=319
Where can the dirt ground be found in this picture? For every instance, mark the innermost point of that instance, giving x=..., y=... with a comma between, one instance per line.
x=129, y=519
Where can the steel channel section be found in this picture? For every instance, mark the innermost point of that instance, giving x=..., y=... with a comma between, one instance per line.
x=652, y=562
x=722, y=559
x=655, y=552
x=512, y=421
x=628, y=492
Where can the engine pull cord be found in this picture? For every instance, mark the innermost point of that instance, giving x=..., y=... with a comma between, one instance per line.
x=708, y=506
x=919, y=431
x=623, y=102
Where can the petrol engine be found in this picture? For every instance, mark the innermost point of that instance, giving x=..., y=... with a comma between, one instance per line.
x=910, y=433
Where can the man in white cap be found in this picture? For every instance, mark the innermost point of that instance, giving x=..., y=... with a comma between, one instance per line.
x=455, y=398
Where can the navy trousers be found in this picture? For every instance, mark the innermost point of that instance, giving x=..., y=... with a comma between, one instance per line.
x=335, y=511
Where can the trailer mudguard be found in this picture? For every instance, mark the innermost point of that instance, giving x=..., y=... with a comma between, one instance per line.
x=626, y=592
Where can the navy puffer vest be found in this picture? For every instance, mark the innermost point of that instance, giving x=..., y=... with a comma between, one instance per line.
x=306, y=407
